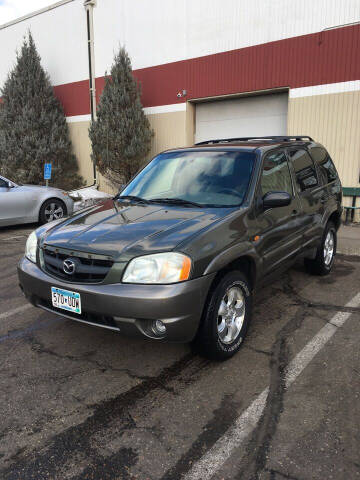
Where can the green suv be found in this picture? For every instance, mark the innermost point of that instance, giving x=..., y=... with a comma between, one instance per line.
x=177, y=254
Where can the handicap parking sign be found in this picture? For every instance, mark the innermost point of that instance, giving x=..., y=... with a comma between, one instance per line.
x=47, y=171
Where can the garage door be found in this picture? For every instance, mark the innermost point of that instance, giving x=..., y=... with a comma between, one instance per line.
x=242, y=117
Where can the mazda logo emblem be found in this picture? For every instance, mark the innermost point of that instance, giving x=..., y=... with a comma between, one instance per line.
x=69, y=266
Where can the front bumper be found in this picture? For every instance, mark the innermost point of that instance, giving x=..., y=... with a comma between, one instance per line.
x=127, y=308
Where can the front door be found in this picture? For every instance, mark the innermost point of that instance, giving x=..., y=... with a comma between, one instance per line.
x=279, y=238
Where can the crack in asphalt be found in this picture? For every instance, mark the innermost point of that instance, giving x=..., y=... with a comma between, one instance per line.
x=39, y=324
x=257, y=350
x=223, y=417
x=254, y=462
x=277, y=473
x=260, y=440
x=78, y=442
x=289, y=289
x=39, y=348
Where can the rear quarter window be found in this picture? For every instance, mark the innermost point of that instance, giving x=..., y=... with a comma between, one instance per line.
x=326, y=166
x=305, y=172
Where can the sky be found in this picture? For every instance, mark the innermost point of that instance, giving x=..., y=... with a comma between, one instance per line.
x=11, y=9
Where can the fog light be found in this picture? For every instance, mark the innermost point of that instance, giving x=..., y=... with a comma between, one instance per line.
x=159, y=327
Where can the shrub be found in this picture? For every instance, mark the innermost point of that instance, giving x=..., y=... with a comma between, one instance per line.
x=33, y=129
x=121, y=135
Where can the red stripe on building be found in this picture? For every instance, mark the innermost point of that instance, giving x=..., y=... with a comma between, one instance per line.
x=74, y=97
x=326, y=57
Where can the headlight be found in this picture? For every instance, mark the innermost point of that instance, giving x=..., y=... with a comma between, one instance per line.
x=167, y=267
x=31, y=246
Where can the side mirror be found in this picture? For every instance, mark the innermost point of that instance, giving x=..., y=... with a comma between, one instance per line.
x=9, y=185
x=276, y=199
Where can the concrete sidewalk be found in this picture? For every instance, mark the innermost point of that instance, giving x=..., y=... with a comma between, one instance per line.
x=349, y=239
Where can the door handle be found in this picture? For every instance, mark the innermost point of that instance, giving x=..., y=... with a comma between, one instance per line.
x=294, y=212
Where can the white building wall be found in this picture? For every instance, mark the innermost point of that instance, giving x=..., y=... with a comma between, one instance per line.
x=60, y=35
x=161, y=31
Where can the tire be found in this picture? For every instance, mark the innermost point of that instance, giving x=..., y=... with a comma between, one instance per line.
x=325, y=255
x=220, y=337
x=52, y=209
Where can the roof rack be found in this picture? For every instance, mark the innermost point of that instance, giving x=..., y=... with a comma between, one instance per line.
x=282, y=138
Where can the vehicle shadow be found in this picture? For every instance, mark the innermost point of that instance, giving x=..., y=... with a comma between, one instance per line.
x=16, y=229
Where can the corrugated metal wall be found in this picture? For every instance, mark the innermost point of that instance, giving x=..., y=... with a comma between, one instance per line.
x=334, y=120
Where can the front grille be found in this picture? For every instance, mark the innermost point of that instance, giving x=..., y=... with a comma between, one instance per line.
x=88, y=268
x=101, y=320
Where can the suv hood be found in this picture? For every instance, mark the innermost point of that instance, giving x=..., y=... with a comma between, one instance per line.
x=114, y=228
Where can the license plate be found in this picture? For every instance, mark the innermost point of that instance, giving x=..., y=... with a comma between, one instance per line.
x=66, y=300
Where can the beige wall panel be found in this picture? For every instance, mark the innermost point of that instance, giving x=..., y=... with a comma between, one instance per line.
x=170, y=131
x=82, y=149
x=190, y=123
x=334, y=121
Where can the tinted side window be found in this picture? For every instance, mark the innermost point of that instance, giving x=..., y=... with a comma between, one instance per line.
x=305, y=171
x=275, y=176
x=3, y=184
x=326, y=166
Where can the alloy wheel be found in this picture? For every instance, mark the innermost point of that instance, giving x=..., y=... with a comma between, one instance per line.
x=53, y=211
x=231, y=315
x=329, y=245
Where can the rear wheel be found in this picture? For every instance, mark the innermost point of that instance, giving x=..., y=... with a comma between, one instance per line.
x=52, y=209
x=226, y=317
x=324, y=260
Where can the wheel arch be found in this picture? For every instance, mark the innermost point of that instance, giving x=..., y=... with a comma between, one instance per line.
x=335, y=218
x=246, y=264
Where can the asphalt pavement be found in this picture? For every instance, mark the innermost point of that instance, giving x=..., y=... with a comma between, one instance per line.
x=79, y=402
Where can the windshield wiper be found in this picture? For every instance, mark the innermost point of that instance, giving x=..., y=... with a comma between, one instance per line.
x=175, y=201
x=130, y=197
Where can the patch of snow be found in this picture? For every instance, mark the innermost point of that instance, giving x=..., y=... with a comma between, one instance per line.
x=87, y=196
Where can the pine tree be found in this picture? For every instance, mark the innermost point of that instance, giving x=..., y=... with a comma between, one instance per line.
x=121, y=135
x=33, y=129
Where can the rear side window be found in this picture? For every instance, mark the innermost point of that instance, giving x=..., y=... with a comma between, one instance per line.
x=304, y=167
x=276, y=175
x=326, y=166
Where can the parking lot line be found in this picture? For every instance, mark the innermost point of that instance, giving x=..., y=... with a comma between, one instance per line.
x=12, y=238
x=214, y=458
x=9, y=313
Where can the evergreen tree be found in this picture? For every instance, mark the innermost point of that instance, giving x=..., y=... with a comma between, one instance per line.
x=121, y=135
x=33, y=129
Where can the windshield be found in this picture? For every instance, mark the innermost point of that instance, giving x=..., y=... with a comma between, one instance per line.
x=216, y=179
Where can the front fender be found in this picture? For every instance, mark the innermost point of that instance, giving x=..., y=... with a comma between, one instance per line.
x=234, y=253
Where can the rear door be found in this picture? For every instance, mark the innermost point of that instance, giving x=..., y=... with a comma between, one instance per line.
x=312, y=193
x=280, y=237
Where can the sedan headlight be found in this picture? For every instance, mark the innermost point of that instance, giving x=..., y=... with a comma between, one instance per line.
x=169, y=267
x=31, y=246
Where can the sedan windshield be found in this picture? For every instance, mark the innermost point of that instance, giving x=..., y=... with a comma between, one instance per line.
x=194, y=178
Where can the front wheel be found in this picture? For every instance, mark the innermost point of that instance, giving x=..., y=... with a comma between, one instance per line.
x=324, y=260
x=52, y=209
x=226, y=317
